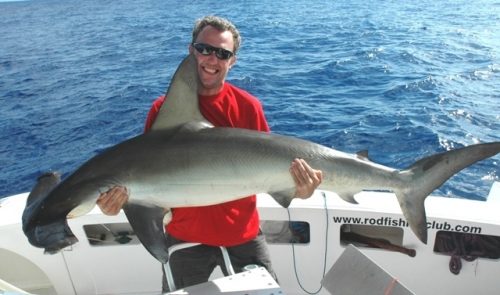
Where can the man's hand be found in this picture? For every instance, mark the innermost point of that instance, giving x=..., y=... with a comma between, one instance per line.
x=112, y=201
x=306, y=178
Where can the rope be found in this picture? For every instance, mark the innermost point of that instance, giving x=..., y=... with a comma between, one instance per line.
x=326, y=250
x=390, y=287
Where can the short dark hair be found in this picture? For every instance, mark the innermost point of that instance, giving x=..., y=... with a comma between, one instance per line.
x=220, y=24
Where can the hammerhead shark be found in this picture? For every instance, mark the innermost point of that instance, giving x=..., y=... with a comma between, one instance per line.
x=185, y=161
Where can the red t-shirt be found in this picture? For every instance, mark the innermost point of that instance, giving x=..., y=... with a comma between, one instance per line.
x=230, y=223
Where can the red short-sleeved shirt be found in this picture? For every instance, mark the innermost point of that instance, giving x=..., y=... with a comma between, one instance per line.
x=230, y=223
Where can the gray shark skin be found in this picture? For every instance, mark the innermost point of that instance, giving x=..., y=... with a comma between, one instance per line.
x=184, y=161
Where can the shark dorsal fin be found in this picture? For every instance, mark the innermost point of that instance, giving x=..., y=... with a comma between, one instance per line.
x=363, y=155
x=181, y=105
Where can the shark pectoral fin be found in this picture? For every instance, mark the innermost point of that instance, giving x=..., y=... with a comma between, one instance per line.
x=147, y=223
x=284, y=198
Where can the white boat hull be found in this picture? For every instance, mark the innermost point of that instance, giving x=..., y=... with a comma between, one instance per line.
x=108, y=267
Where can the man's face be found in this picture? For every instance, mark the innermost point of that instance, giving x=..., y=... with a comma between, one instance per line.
x=212, y=70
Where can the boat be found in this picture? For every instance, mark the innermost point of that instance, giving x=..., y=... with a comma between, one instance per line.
x=306, y=242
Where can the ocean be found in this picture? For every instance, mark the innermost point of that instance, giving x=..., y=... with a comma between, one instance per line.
x=401, y=79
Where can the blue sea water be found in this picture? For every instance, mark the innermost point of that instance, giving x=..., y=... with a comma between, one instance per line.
x=402, y=79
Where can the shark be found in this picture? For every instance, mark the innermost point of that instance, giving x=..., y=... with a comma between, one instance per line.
x=185, y=161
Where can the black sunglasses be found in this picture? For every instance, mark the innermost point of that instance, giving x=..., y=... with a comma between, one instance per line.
x=206, y=49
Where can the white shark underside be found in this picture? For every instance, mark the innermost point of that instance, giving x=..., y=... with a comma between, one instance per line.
x=184, y=161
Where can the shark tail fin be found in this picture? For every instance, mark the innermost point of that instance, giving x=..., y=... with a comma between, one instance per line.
x=427, y=174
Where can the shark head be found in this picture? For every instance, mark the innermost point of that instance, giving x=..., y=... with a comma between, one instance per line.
x=53, y=236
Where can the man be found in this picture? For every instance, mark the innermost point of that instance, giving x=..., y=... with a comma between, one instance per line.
x=234, y=224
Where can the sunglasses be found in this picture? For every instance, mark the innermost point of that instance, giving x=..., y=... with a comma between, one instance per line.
x=205, y=49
